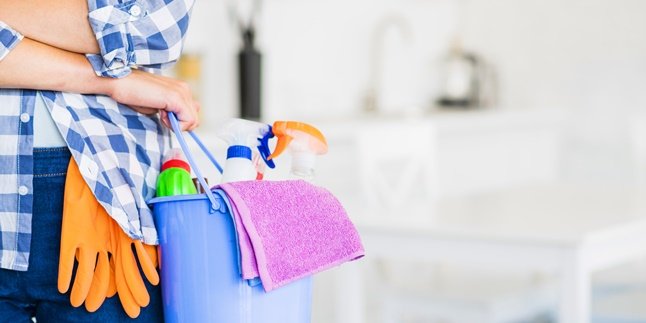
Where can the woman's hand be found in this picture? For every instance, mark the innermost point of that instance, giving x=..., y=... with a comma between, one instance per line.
x=149, y=93
x=34, y=65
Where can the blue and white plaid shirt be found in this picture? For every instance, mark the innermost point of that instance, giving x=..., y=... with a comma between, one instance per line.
x=117, y=149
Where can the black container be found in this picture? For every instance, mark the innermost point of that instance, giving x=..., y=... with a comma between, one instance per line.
x=249, y=64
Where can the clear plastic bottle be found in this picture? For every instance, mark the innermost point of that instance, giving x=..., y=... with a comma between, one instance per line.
x=242, y=136
x=305, y=142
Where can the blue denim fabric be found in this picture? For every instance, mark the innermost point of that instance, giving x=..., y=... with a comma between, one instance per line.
x=34, y=293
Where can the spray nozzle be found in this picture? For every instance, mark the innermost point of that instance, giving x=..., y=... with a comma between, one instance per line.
x=263, y=148
x=301, y=136
x=241, y=135
x=305, y=143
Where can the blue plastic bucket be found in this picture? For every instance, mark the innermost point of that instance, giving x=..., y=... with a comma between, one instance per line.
x=199, y=261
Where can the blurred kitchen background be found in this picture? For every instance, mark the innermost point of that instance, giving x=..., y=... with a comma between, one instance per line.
x=491, y=152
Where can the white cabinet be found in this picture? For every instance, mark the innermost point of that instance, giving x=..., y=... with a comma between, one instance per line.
x=440, y=155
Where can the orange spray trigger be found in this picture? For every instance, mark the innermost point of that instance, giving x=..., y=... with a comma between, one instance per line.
x=308, y=137
x=281, y=145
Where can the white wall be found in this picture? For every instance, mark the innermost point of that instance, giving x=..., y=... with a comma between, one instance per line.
x=558, y=53
x=569, y=53
x=588, y=56
x=317, y=54
x=210, y=35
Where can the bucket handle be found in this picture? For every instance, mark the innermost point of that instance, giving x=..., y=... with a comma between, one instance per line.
x=182, y=142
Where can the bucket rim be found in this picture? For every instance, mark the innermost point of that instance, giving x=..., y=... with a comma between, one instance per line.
x=178, y=198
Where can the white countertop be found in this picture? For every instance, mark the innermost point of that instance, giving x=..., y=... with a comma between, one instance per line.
x=558, y=213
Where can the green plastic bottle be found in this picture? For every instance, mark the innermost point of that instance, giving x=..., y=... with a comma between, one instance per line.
x=175, y=177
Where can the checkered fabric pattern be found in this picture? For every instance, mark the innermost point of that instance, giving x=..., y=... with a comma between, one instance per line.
x=8, y=39
x=137, y=33
x=15, y=177
x=118, y=150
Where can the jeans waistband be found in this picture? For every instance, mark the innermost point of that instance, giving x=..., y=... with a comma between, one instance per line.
x=49, y=162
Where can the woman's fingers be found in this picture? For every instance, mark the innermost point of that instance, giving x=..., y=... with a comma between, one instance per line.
x=148, y=93
x=180, y=101
x=164, y=119
x=184, y=106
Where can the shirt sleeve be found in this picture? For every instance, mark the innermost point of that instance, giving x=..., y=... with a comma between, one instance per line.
x=9, y=38
x=137, y=33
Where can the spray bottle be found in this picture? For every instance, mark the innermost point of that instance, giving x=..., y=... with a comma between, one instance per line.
x=305, y=143
x=175, y=177
x=241, y=136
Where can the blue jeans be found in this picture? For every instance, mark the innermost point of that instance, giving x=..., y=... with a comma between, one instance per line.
x=34, y=293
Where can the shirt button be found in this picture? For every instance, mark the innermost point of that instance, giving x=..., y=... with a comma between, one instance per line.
x=23, y=190
x=135, y=10
x=24, y=117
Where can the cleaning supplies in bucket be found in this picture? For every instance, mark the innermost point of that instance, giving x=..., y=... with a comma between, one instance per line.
x=215, y=246
x=295, y=228
x=201, y=279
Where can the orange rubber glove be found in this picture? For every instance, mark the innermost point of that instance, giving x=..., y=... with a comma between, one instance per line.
x=89, y=231
x=129, y=283
x=85, y=235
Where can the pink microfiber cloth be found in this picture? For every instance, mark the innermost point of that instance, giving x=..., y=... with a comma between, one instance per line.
x=289, y=229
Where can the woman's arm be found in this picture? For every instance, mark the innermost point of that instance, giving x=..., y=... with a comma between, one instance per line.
x=61, y=23
x=33, y=65
x=117, y=34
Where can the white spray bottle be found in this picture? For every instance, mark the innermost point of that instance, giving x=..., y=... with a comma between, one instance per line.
x=242, y=136
x=304, y=141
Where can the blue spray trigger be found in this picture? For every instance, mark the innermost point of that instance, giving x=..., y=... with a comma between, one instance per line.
x=263, y=148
